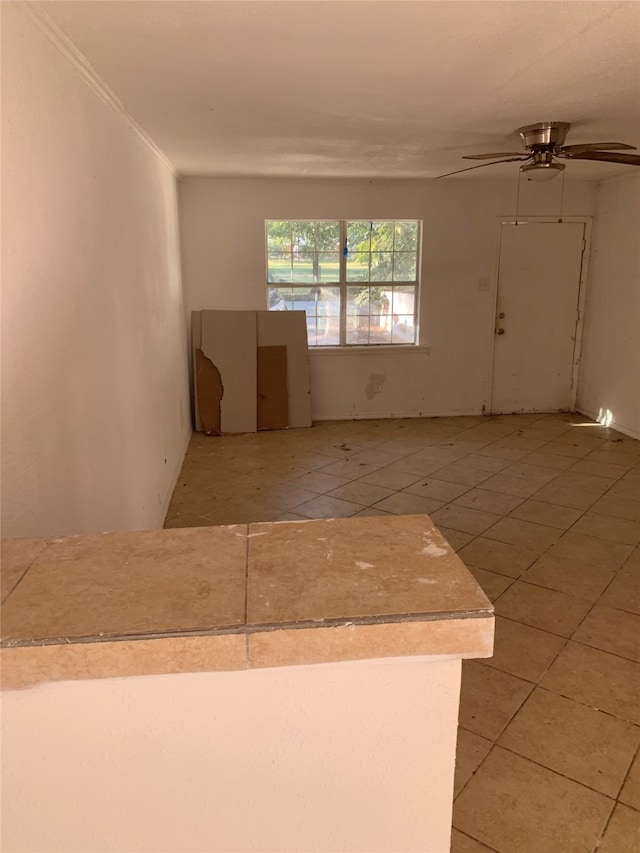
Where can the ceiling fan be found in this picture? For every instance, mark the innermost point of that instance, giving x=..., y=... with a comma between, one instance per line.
x=544, y=142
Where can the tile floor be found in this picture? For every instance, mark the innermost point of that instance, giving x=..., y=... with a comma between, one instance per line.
x=545, y=511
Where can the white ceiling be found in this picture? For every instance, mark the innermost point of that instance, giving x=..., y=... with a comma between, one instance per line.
x=362, y=88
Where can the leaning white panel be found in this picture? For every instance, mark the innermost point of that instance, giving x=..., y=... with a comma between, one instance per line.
x=229, y=341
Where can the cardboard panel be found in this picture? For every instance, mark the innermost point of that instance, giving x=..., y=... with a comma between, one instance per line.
x=209, y=394
x=289, y=328
x=273, y=398
x=229, y=341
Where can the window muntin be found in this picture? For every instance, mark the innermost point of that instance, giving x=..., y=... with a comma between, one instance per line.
x=356, y=280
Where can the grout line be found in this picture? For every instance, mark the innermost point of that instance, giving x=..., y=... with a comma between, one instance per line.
x=26, y=571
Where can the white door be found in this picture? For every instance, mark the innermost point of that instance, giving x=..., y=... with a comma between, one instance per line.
x=536, y=316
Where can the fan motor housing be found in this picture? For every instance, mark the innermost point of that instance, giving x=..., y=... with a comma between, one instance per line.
x=544, y=134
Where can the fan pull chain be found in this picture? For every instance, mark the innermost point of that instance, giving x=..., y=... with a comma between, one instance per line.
x=561, y=199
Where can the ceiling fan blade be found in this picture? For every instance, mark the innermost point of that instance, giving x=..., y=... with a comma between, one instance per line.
x=596, y=146
x=480, y=165
x=627, y=159
x=490, y=156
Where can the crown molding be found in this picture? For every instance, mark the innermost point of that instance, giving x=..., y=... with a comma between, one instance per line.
x=66, y=48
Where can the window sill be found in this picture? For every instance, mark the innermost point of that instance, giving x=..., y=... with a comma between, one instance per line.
x=371, y=350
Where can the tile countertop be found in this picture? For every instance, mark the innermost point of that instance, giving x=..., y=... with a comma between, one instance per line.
x=236, y=597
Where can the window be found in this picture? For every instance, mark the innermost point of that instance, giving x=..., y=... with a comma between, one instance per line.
x=356, y=280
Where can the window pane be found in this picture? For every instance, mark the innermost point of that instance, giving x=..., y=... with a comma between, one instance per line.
x=358, y=330
x=380, y=330
x=279, y=266
x=403, y=300
x=328, y=236
x=278, y=236
x=406, y=237
x=357, y=300
x=403, y=330
x=382, y=234
x=381, y=266
x=358, y=266
x=359, y=236
x=329, y=266
x=277, y=299
x=303, y=235
x=311, y=332
x=404, y=266
x=304, y=264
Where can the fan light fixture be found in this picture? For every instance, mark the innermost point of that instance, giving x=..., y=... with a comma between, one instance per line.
x=539, y=172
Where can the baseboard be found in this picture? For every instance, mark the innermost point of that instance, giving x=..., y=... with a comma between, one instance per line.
x=614, y=426
x=373, y=416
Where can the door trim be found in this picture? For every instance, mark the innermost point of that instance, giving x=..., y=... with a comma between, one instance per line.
x=587, y=222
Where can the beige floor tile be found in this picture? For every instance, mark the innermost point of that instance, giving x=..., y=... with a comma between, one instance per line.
x=290, y=516
x=284, y=496
x=464, y=519
x=461, y=843
x=439, y=490
x=488, y=501
x=456, y=538
x=414, y=465
x=611, y=630
x=608, y=471
x=559, y=495
x=627, y=487
x=489, y=698
x=540, y=512
x=516, y=806
x=533, y=473
x=607, y=527
x=507, y=454
x=545, y=459
x=186, y=519
x=404, y=504
x=370, y=512
x=618, y=507
x=326, y=507
x=542, y=608
x=522, y=650
x=492, y=584
x=390, y=478
x=500, y=557
x=570, y=576
x=586, y=745
x=507, y=485
x=464, y=475
x=598, y=679
x=348, y=469
x=318, y=482
x=489, y=464
x=535, y=537
x=361, y=493
x=630, y=793
x=623, y=833
x=374, y=456
x=567, y=447
x=471, y=750
x=624, y=590
x=582, y=482
x=588, y=550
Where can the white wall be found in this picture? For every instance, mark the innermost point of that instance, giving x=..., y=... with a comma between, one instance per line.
x=95, y=414
x=355, y=756
x=610, y=369
x=222, y=231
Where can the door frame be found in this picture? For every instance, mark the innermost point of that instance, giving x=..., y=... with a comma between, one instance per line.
x=587, y=222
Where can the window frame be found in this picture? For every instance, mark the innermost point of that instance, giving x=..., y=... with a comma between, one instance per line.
x=342, y=284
